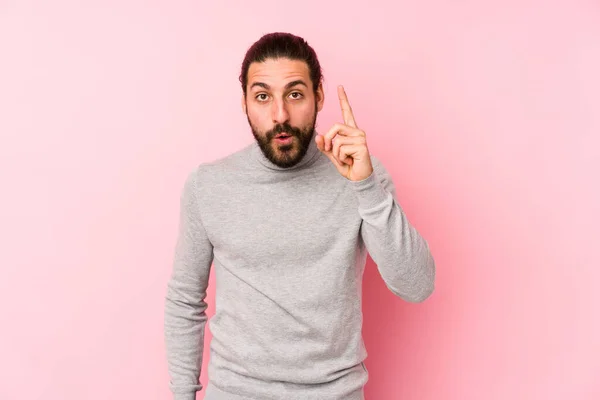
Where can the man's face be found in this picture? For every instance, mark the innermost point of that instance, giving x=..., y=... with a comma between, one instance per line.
x=280, y=100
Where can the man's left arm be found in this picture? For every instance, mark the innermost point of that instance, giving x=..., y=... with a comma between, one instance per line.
x=402, y=255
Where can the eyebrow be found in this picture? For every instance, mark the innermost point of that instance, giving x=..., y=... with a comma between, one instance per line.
x=289, y=85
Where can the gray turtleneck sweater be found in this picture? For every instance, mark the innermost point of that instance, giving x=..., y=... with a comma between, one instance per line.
x=289, y=248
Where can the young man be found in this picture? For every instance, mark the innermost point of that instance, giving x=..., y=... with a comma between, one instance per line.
x=288, y=222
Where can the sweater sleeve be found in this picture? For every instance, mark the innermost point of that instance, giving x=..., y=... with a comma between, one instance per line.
x=402, y=256
x=185, y=309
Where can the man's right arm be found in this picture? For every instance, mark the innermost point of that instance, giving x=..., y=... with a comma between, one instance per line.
x=185, y=308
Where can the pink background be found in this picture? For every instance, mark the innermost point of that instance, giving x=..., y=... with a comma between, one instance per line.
x=486, y=113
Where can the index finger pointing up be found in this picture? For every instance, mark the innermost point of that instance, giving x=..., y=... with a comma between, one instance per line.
x=346, y=109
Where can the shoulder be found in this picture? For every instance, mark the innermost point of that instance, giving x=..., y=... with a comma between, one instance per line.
x=376, y=162
x=383, y=175
x=379, y=168
x=209, y=177
x=221, y=169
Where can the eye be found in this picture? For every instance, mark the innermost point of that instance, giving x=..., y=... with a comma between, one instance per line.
x=260, y=94
x=297, y=97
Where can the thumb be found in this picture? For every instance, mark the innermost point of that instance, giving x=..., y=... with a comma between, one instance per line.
x=321, y=146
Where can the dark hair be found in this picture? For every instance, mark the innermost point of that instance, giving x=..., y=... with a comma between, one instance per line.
x=282, y=45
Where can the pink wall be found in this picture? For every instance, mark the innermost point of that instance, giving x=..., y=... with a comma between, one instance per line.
x=485, y=112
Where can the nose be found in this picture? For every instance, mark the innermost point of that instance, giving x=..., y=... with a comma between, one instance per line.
x=279, y=112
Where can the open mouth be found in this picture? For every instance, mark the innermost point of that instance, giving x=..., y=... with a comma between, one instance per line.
x=283, y=139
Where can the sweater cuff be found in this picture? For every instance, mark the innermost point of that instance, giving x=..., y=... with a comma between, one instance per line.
x=185, y=396
x=369, y=191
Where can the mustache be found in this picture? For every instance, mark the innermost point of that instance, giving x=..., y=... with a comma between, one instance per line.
x=283, y=128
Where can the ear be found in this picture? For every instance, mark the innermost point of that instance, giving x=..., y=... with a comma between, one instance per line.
x=244, y=104
x=320, y=96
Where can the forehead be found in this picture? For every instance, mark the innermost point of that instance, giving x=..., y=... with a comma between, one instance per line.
x=277, y=72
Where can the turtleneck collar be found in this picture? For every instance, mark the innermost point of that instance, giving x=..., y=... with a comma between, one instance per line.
x=311, y=154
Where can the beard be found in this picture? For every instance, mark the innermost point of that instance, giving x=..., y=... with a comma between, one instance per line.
x=288, y=155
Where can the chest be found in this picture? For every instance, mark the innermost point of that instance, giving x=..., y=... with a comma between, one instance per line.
x=286, y=222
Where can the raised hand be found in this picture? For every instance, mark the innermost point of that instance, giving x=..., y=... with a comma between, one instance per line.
x=346, y=145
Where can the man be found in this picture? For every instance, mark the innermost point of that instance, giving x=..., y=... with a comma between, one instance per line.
x=288, y=222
